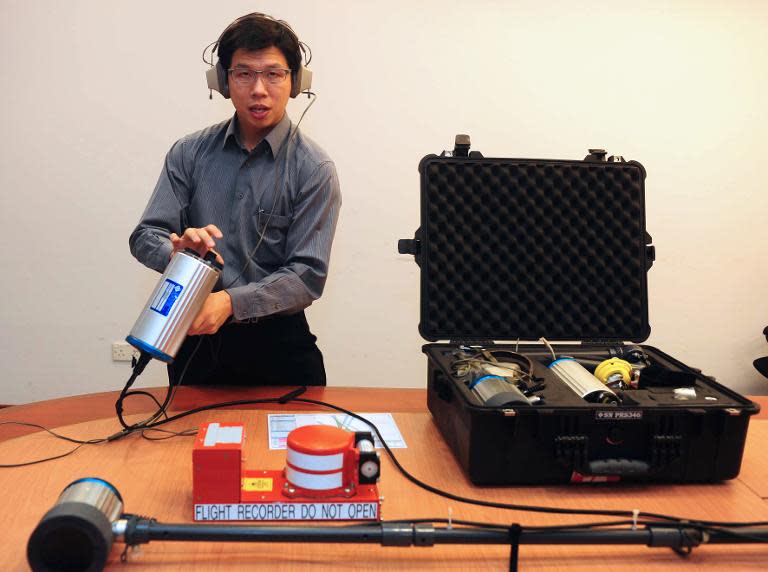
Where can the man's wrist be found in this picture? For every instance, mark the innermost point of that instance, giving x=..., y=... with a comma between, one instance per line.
x=227, y=301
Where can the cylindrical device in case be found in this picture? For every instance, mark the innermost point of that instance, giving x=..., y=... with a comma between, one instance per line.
x=76, y=534
x=497, y=391
x=163, y=323
x=614, y=372
x=583, y=383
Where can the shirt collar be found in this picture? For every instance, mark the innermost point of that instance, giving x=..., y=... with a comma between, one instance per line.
x=278, y=135
x=275, y=138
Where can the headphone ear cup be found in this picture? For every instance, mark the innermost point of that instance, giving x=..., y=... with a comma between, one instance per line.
x=217, y=80
x=301, y=81
x=223, y=76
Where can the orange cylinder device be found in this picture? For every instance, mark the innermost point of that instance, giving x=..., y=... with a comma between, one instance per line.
x=325, y=461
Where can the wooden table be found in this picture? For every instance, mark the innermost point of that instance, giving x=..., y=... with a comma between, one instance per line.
x=155, y=477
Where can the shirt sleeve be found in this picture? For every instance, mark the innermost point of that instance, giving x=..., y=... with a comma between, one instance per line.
x=165, y=213
x=301, y=279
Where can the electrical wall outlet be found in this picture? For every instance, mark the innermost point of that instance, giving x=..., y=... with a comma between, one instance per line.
x=123, y=351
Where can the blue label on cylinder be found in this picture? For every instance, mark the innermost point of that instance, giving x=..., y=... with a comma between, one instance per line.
x=165, y=298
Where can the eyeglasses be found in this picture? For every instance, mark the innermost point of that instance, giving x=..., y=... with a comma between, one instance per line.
x=247, y=77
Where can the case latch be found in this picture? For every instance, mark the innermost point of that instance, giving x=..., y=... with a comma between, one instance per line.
x=461, y=147
x=650, y=251
x=596, y=155
x=572, y=449
x=665, y=449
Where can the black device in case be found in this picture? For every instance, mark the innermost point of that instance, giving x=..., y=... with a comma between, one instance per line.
x=520, y=249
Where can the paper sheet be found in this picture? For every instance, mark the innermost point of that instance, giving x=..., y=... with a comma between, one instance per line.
x=282, y=424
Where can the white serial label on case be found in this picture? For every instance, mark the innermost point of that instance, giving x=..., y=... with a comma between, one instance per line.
x=618, y=415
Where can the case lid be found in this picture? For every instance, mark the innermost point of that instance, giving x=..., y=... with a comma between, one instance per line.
x=524, y=248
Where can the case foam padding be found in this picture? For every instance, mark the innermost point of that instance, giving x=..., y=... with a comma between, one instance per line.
x=516, y=248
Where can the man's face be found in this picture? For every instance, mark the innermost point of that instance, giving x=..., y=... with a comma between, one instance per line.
x=261, y=105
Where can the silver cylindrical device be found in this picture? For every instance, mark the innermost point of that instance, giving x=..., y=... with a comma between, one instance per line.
x=76, y=534
x=95, y=492
x=177, y=299
x=496, y=391
x=583, y=383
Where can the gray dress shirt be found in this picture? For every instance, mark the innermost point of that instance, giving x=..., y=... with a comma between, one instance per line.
x=286, y=188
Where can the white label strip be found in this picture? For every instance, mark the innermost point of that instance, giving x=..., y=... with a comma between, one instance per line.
x=322, y=482
x=315, y=462
x=211, y=435
x=217, y=434
x=287, y=511
x=230, y=435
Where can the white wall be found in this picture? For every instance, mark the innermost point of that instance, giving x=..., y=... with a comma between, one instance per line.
x=94, y=93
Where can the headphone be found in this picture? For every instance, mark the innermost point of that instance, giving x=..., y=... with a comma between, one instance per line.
x=217, y=76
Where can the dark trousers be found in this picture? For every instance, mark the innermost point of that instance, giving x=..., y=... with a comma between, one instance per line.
x=276, y=350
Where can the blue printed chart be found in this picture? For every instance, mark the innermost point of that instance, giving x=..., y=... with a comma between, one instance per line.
x=282, y=424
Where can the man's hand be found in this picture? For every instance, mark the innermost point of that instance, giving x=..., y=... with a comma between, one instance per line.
x=215, y=311
x=198, y=239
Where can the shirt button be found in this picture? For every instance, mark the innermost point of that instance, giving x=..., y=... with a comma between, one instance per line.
x=239, y=195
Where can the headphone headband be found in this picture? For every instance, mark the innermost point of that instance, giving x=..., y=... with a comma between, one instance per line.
x=264, y=17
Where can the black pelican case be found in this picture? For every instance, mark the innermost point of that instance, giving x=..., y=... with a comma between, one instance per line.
x=520, y=249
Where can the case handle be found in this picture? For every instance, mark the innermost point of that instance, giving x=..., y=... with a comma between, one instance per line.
x=461, y=145
x=409, y=246
x=596, y=156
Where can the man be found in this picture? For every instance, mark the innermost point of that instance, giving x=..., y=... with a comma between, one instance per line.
x=267, y=199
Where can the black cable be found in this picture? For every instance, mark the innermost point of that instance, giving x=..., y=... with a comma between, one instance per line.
x=127, y=430
x=616, y=525
x=162, y=408
x=733, y=533
x=79, y=442
x=458, y=498
x=142, y=428
x=146, y=393
x=307, y=51
x=278, y=400
x=293, y=132
x=26, y=464
x=57, y=435
x=170, y=434
x=172, y=387
x=293, y=396
x=579, y=526
x=681, y=538
x=205, y=49
x=507, y=506
x=445, y=494
x=144, y=359
x=278, y=187
x=451, y=496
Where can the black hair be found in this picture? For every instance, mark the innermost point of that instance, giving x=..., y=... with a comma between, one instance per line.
x=257, y=31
